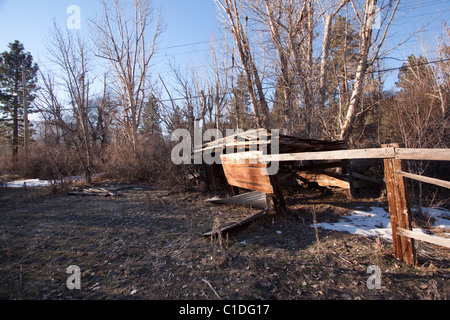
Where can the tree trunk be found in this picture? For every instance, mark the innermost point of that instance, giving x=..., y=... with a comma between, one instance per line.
x=15, y=143
x=252, y=79
x=366, y=34
x=326, y=53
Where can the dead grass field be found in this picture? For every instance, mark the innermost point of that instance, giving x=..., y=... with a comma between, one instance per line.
x=146, y=244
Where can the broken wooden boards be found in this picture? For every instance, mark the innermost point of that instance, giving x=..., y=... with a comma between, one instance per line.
x=253, y=199
x=244, y=140
x=91, y=192
x=244, y=170
x=268, y=141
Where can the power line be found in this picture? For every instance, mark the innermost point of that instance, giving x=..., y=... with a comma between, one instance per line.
x=412, y=65
x=274, y=87
x=185, y=45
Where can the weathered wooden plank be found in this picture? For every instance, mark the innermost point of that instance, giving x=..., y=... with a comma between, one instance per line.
x=422, y=154
x=438, y=182
x=248, y=135
x=324, y=180
x=91, y=192
x=445, y=242
x=238, y=144
x=376, y=153
x=245, y=170
x=248, y=176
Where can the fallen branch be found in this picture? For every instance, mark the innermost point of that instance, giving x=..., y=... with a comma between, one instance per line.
x=91, y=192
x=209, y=284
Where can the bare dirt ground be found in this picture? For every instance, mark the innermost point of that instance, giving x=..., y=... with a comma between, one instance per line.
x=146, y=244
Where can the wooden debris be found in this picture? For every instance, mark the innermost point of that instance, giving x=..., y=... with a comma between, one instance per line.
x=92, y=192
x=324, y=180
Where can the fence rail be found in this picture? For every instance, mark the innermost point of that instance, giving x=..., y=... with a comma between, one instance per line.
x=445, y=242
x=438, y=182
x=373, y=153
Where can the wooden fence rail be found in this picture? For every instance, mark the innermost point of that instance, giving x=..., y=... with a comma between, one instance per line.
x=445, y=242
x=374, y=153
x=438, y=182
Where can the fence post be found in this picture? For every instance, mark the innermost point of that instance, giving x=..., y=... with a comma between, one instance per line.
x=399, y=210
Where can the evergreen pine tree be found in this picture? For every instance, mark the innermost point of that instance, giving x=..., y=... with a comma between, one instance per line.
x=17, y=72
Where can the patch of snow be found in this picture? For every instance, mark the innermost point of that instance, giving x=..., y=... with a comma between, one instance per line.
x=377, y=222
x=28, y=183
x=33, y=183
x=441, y=215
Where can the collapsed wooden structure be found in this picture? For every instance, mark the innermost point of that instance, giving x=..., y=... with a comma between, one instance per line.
x=255, y=141
x=248, y=168
x=241, y=169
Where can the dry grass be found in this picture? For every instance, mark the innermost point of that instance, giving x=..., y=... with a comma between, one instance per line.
x=220, y=244
x=146, y=244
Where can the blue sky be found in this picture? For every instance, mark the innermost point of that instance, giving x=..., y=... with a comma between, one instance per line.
x=190, y=23
x=187, y=21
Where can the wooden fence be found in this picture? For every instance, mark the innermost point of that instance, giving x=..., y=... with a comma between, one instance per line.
x=395, y=173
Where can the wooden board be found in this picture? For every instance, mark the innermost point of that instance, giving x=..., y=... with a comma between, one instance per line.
x=438, y=182
x=445, y=242
x=378, y=153
x=247, y=177
x=324, y=180
x=243, y=171
x=374, y=153
x=422, y=154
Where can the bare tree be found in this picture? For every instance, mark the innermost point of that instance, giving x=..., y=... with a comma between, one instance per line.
x=70, y=53
x=329, y=18
x=218, y=80
x=121, y=37
x=281, y=17
x=231, y=13
x=291, y=29
x=366, y=16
